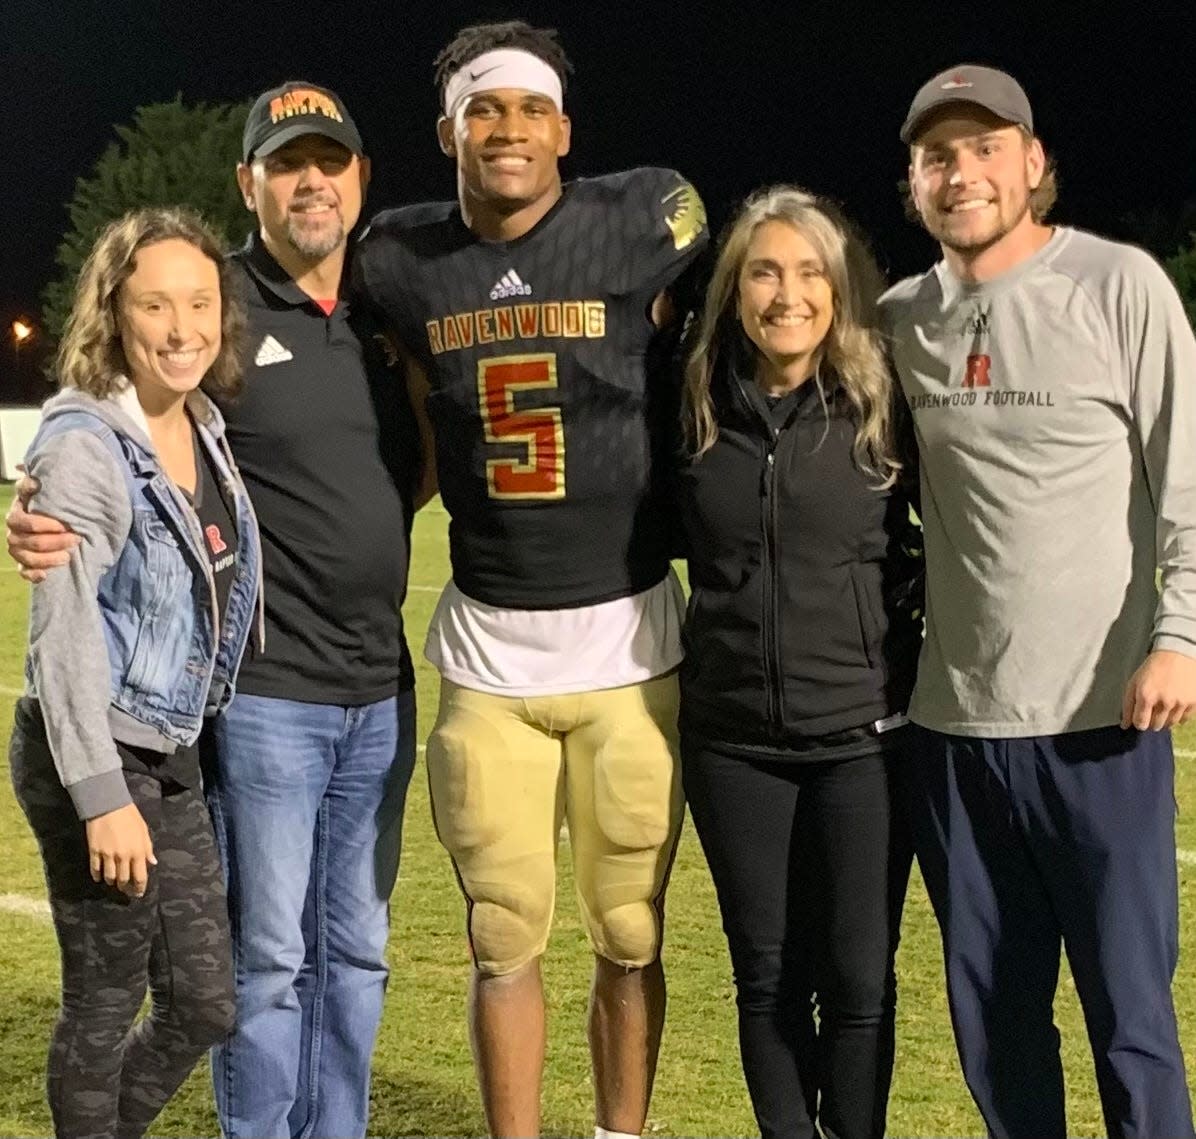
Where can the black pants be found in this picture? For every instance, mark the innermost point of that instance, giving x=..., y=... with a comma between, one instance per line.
x=810, y=863
x=107, y=1077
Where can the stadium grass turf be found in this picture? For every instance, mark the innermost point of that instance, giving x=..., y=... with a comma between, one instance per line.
x=423, y=1080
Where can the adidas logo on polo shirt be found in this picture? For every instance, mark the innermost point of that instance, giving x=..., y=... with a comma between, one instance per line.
x=509, y=285
x=271, y=352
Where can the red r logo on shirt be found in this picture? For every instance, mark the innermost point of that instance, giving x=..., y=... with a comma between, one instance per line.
x=976, y=375
x=215, y=543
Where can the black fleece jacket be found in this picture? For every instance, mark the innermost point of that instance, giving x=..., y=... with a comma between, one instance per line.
x=806, y=606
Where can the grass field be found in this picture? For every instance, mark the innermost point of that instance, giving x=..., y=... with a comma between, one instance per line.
x=423, y=1081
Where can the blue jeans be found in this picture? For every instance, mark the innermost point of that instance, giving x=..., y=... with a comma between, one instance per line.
x=307, y=803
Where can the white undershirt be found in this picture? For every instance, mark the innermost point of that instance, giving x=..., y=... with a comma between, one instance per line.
x=548, y=652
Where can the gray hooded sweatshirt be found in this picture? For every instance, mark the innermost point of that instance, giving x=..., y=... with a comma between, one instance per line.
x=82, y=485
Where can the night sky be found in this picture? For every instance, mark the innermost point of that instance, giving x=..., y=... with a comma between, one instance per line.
x=732, y=94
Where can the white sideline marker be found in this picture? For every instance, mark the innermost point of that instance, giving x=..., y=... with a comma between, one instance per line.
x=36, y=908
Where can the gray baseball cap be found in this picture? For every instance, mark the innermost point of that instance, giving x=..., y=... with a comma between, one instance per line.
x=969, y=83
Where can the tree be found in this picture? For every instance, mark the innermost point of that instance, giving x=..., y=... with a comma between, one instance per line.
x=1182, y=268
x=1158, y=229
x=171, y=155
x=1170, y=235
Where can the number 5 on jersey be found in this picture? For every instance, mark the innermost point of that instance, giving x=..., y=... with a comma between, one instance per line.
x=542, y=474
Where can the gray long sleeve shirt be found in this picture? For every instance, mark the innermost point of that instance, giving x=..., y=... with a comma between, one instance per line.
x=1055, y=411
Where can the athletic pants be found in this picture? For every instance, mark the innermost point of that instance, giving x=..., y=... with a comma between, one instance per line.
x=106, y=1076
x=1033, y=843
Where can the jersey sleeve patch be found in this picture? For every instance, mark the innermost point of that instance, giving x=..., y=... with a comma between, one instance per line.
x=672, y=230
x=685, y=214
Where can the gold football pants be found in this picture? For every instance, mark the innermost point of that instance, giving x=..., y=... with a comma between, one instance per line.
x=504, y=772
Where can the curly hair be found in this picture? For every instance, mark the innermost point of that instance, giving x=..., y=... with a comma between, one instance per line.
x=477, y=39
x=90, y=355
x=852, y=355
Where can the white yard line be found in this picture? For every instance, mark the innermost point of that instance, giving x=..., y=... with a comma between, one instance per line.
x=9, y=690
x=1185, y=753
x=36, y=908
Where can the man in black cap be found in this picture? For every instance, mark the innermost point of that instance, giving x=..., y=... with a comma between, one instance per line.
x=293, y=131
x=1050, y=374
x=309, y=772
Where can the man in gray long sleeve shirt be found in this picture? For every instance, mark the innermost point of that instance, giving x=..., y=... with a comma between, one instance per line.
x=1052, y=379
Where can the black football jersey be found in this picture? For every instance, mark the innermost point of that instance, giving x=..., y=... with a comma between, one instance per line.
x=537, y=354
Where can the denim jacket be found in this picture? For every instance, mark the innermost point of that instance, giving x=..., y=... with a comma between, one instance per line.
x=138, y=595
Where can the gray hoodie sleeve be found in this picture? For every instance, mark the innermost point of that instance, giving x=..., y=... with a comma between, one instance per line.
x=82, y=486
x=1161, y=350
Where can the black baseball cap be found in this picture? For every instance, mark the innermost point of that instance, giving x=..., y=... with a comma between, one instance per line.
x=969, y=83
x=297, y=108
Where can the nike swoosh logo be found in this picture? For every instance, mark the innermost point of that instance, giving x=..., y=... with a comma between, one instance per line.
x=476, y=75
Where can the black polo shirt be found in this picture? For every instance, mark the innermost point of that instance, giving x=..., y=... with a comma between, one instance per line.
x=326, y=444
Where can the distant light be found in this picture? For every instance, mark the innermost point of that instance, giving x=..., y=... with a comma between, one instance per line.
x=21, y=330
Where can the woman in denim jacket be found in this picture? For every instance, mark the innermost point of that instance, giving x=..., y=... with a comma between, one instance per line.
x=129, y=649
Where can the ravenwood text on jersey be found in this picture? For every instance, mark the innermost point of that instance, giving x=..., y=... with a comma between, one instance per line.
x=569, y=319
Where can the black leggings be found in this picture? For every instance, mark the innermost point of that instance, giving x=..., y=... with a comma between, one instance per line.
x=107, y=1077
x=810, y=862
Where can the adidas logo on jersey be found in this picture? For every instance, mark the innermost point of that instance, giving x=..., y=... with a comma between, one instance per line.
x=509, y=285
x=271, y=352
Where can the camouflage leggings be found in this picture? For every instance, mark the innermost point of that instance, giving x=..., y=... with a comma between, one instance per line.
x=108, y=1077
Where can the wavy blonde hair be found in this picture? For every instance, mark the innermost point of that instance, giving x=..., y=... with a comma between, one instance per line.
x=90, y=356
x=852, y=358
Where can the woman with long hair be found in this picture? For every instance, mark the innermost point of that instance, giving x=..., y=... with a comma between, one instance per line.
x=801, y=643
x=129, y=648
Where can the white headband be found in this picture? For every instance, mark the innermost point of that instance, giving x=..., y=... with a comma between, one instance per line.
x=503, y=67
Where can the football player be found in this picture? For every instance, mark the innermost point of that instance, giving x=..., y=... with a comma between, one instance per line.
x=527, y=311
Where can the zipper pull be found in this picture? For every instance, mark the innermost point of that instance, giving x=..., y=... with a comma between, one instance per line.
x=766, y=473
